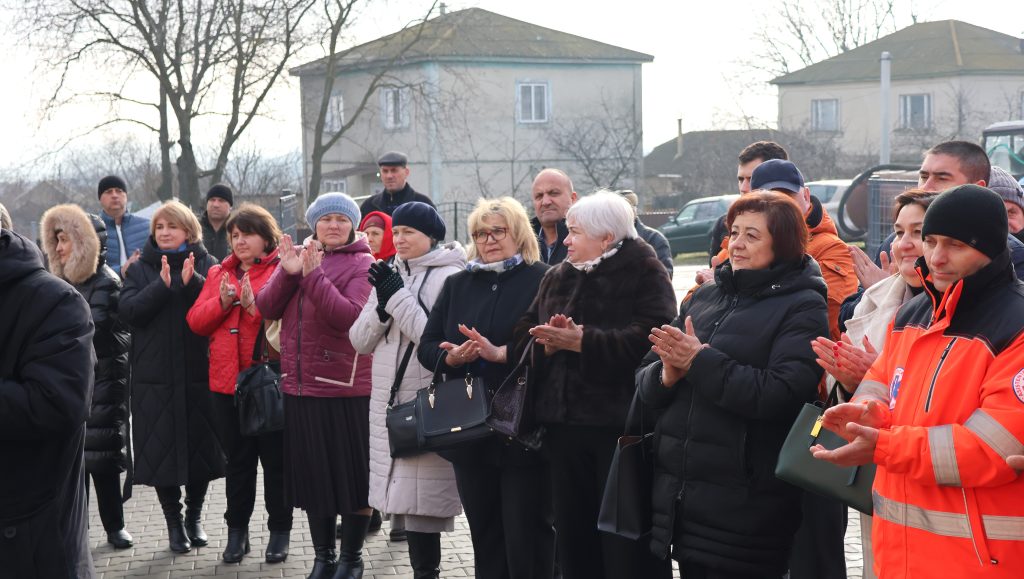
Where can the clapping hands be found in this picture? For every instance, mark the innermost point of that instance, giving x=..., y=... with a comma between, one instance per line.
x=676, y=348
x=560, y=333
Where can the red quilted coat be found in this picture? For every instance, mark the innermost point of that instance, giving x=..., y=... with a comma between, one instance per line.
x=232, y=332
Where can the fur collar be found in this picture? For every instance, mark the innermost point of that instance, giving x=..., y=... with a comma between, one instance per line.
x=85, y=244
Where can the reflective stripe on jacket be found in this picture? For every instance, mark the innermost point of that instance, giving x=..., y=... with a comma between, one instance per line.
x=952, y=375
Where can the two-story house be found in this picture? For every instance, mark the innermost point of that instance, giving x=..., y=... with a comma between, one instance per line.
x=480, y=103
x=950, y=79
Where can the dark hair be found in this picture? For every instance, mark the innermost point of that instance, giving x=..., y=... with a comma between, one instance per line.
x=251, y=218
x=918, y=197
x=764, y=150
x=974, y=163
x=785, y=221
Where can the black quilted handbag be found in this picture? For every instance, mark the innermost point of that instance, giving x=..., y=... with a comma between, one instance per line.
x=451, y=413
x=509, y=415
x=258, y=393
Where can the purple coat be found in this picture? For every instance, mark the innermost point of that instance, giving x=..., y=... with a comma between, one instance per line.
x=316, y=313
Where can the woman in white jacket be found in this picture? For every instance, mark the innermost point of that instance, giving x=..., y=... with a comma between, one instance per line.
x=847, y=361
x=417, y=491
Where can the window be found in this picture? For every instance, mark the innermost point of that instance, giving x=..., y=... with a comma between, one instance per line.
x=532, y=102
x=395, y=107
x=333, y=186
x=335, y=113
x=688, y=213
x=825, y=115
x=707, y=211
x=915, y=111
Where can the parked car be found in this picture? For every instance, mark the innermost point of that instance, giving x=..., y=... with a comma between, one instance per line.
x=690, y=230
x=830, y=192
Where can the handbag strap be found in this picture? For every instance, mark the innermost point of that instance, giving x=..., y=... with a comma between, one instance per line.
x=259, y=348
x=634, y=405
x=400, y=373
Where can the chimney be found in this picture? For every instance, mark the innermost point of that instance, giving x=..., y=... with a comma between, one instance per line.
x=443, y=8
x=679, y=138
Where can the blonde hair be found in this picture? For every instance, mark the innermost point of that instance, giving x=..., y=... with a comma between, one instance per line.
x=516, y=219
x=180, y=215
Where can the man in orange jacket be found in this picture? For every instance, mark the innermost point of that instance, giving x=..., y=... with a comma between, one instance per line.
x=941, y=411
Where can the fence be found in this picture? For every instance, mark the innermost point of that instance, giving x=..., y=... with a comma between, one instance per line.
x=286, y=218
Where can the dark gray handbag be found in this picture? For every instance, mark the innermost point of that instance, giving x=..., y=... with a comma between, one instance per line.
x=797, y=466
x=403, y=437
x=509, y=415
x=258, y=393
x=626, y=503
x=452, y=412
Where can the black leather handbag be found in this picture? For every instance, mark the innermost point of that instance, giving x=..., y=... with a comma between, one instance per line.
x=626, y=503
x=403, y=436
x=509, y=415
x=796, y=464
x=258, y=393
x=451, y=413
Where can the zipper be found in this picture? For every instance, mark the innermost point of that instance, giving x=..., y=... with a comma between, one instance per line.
x=718, y=324
x=298, y=348
x=935, y=376
x=970, y=528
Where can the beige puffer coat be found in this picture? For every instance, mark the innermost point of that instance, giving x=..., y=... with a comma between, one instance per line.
x=425, y=484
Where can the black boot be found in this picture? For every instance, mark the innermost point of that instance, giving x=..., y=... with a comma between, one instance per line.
x=120, y=539
x=375, y=522
x=321, y=529
x=193, y=520
x=238, y=545
x=425, y=554
x=277, y=546
x=350, y=558
x=176, y=534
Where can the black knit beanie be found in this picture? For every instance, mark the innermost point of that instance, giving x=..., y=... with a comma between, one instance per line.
x=109, y=182
x=223, y=191
x=421, y=217
x=972, y=214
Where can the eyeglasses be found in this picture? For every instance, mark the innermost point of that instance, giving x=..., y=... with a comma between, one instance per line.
x=497, y=234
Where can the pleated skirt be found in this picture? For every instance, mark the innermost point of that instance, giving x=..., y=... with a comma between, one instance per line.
x=327, y=454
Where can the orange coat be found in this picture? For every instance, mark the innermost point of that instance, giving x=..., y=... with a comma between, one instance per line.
x=952, y=375
x=833, y=258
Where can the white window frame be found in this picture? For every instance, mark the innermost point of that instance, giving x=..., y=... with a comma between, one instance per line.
x=335, y=117
x=534, y=117
x=906, y=111
x=334, y=186
x=390, y=97
x=818, y=117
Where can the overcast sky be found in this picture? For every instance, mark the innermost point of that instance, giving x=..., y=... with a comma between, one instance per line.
x=698, y=48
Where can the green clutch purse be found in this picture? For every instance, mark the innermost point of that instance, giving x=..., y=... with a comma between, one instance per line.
x=796, y=465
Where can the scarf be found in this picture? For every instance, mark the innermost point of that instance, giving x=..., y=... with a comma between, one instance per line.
x=497, y=266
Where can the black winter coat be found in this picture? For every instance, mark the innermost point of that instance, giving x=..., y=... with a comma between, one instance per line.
x=387, y=202
x=46, y=371
x=492, y=303
x=656, y=240
x=107, y=428
x=716, y=500
x=559, y=251
x=174, y=427
x=617, y=302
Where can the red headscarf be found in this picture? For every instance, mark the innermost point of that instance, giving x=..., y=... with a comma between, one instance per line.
x=387, y=243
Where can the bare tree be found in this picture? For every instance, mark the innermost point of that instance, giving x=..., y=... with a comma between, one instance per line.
x=799, y=33
x=250, y=172
x=195, y=54
x=605, y=145
x=337, y=17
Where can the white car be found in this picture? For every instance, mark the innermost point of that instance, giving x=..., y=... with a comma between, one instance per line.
x=829, y=192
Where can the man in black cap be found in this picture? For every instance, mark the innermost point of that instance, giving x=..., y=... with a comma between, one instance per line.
x=126, y=233
x=219, y=201
x=394, y=172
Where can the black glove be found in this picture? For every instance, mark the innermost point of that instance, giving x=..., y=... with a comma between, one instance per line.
x=386, y=281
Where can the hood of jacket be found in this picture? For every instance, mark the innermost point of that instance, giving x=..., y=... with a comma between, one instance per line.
x=451, y=253
x=152, y=254
x=780, y=278
x=387, y=242
x=818, y=220
x=18, y=257
x=84, y=260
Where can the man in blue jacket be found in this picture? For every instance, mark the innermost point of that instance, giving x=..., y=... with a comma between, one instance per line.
x=127, y=234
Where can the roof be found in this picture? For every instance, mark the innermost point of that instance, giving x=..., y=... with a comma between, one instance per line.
x=923, y=50
x=477, y=34
x=698, y=147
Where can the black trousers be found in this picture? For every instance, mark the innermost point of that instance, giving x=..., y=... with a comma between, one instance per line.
x=243, y=455
x=170, y=497
x=695, y=571
x=509, y=512
x=579, y=458
x=818, y=546
x=108, y=499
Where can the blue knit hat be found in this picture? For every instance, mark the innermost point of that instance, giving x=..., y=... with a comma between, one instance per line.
x=421, y=217
x=333, y=203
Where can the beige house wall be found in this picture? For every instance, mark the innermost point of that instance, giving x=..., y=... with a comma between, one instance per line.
x=463, y=138
x=961, y=107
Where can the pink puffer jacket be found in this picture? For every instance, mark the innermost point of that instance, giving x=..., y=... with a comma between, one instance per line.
x=316, y=313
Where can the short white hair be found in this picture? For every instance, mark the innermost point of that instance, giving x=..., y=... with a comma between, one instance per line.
x=603, y=213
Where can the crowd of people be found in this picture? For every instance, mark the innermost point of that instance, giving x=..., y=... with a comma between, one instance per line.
x=123, y=340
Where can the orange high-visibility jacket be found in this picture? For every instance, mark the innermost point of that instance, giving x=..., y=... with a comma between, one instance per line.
x=952, y=374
